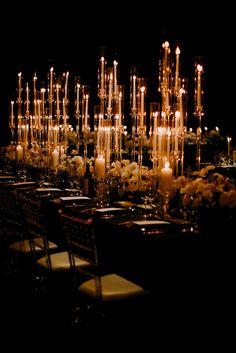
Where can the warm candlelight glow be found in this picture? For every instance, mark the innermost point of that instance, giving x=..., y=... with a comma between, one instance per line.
x=102, y=75
x=166, y=179
x=86, y=111
x=115, y=63
x=134, y=93
x=177, y=52
x=142, y=106
x=199, y=89
x=19, y=85
x=100, y=167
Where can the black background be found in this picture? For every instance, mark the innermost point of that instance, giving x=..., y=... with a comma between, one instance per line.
x=70, y=36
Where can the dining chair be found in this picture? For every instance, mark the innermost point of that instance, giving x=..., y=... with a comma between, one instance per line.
x=54, y=256
x=107, y=292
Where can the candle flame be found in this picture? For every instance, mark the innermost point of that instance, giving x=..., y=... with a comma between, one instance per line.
x=165, y=45
x=51, y=69
x=115, y=63
x=177, y=51
x=167, y=164
x=102, y=58
x=142, y=89
x=199, y=68
x=177, y=114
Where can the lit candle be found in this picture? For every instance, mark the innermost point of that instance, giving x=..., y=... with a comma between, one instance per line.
x=51, y=83
x=100, y=167
x=166, y=178
x=177, y=52
x=66, y=86
x=102, y=75
x=168, y=142
x=229, y=139
x=39, y=113
x=134, y=93
x=58, y=109
x=115, y=63
x=110, y=92
x=19, y=152
x=12, y=113
x=142, y=106
x=55, y=159
x=181, y=92
x=86, y=112
x=19, y=85
x=77, y=99
x=27, y=99
x=199, y=71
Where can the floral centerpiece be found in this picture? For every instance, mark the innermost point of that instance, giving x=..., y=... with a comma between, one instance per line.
x=207, y=197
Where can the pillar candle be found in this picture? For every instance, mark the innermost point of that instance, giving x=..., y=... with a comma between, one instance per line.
x=19, y=152
x=55, y=159
x=166, y=178
x=100, y=167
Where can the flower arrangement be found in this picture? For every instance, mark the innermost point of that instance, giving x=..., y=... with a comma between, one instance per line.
x=207, y=196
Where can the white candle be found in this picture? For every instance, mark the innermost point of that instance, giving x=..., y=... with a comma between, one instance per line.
x=166, y=178
x=110, y=92
x=134, y=93
x=19, y=85
x=177, y=52
x=51, y=83
x=115, y=63
x=77, y=99
x=66, y=86
x=168, y=142
x=100, y=167
x=27, y=99
x=199, y=104
x=102, y=75
x=58, y=109
x=142, y=107
x=55, y=159
x=12, y=113
x=39, y=113
x=86, y=112
x=19, y=152
x=181, y=92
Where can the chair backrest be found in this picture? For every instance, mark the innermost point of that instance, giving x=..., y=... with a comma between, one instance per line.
x=80, y=235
